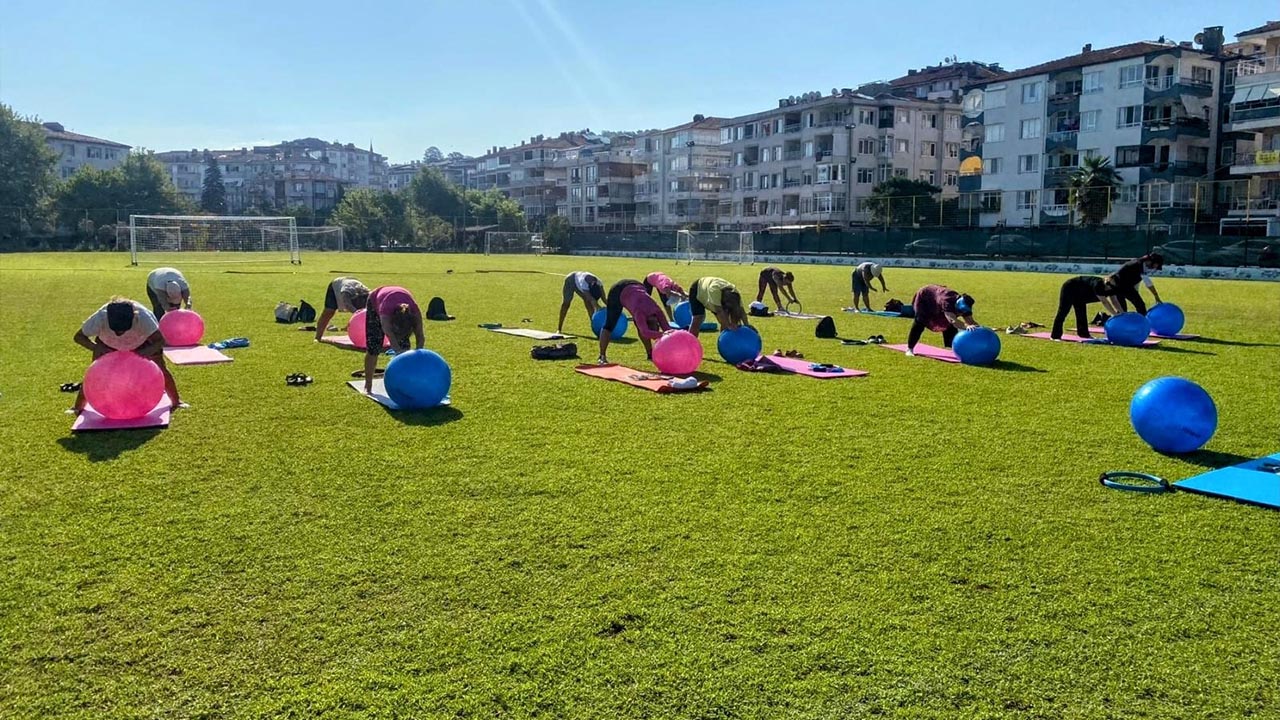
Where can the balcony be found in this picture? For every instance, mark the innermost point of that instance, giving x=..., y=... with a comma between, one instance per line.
x=1253, y=118
x=790, y=183
x=1263, y=161
x=1059, y=140
x=1177, y=85
x=1060, y=174
x=791, y=128
x=1256, y=66
x=791, y=155
x=1170, y=128
x=1169, y=170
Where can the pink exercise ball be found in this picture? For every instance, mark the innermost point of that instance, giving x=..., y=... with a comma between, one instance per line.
x=677, y=353
x=182, y=328
x=123, y=385
x=356, y=332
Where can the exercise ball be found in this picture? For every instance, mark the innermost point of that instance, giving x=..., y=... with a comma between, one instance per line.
x=182, y=328
x=682, y=315
x=1173, y=415
x=739, y=345
x=123, y=385
x=356, y=332
x=977, y=346
x=417, y=379
x=1130, y=329
x=677, y=353
x=597, y=324
x=1166, y=319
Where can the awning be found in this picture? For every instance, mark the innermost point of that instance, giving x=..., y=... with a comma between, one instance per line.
x=1256, y=93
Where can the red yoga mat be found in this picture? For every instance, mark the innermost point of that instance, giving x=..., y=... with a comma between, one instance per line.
x=636, y=378
x=929, y=351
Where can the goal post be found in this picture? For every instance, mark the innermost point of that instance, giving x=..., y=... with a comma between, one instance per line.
x=515, y=243
x=715, y=245
x=325, y=238
x=213, y=238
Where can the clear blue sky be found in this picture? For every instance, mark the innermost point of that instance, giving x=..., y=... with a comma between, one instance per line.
x=466, y=74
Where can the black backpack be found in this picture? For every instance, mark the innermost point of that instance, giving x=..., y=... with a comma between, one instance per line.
x=826, y=328
x=436, y=311
x=306, y=313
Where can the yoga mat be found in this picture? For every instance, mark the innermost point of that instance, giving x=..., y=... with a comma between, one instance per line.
x=626, y=375
x=1256, y=482
x=1071, y=337
x=380, y=394
x=800, y=366
x=91, y=421
x=1180, y=336
x=707, y=326
x=341, y=341
x=531, y=334
x=195, y=355
x=929, y=351
x=798, y=316
x=877, y=313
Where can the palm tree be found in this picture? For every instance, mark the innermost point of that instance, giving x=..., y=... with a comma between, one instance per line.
x=1093, y=184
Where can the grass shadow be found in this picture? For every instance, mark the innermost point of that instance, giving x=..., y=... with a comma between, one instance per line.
x=709, y=377
x=431, y=417
x=1010, y=366
x=107, y=444
x=1166, y=347
x=1233, y=343
x=1211, y=459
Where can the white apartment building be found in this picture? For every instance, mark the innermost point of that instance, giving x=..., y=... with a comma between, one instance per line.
x=685, y=172
x=1251, y=127
x=399, y=176
x=1148, y=106
x=815, y=158
x=355, y=166
x=599, y=184
x=527, y=173
x=76, y=150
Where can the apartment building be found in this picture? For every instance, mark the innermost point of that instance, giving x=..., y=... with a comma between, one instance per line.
x=76, y=150
x=815, y=158
x=1149, y=106
x=599, y=182
x=353, y=166
x=186, y=172
x=265, y=178
x=685, y=171
x=399, y=176
x=944, y=81
x=527, y=173
x=1251, y=131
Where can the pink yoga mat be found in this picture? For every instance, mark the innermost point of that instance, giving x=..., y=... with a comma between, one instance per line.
x=195, y=355
x=341, y=341
x=928, y=351
x=1071, y=337
x=1101, y=332
x=90, y=420
x=800, y=366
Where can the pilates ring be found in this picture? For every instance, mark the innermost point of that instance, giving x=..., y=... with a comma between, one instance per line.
x=1116, y=480
x=799, y=308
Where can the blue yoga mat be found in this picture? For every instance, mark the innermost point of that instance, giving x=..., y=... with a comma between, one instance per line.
x=877, y=313
x=1249, y=482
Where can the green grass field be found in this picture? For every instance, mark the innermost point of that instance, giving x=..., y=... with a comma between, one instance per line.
x=927, y=542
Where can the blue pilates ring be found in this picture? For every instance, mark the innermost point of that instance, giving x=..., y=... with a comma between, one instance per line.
x=1115, y=479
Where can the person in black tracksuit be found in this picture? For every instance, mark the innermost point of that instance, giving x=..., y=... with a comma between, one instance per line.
x=1126, y=281
x=1076, y=294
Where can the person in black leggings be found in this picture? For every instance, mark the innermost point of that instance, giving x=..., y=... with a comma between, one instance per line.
x=1126, y=281
x=1076, y=294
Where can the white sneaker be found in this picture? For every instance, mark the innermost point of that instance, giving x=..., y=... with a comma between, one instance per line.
x=911, y=353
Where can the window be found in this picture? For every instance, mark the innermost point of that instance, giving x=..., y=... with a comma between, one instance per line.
x=953, y=150
x=950, y=178
x=1030, y=92
x=995, y=99
x=1228, y=155
x=764, y=181
x=1201, y=75
x=575, y=175
x=866, y=146
x=1131, y=75
x=591, y=173
x=929, y=120
x=1089, y=153
x=866, y=175
x=808, y=148
x=885, y=172
x=1129, y=156
x=1027, y=199
x=866, y=117
x=1129, y=116
x=591, y=193
x=726, y=135
x=904, y=117
x=995, y=133
x=93, y=152
x=973, y=103
x=297, y=187
x=1028, y=163
x=575, y=214
x=737, y=158
x=1093, y=82
x=575, y=194
x=992, y=166
x=1198, y=154
x=928, y=176
x=903, y=146
x=589, y=214
x=953, y=122
x=1089, y=120
x=67, y=172
x=900, y=172
x=1127, y=194
x=1030, y=128
x=748, y=181
x=928, y=149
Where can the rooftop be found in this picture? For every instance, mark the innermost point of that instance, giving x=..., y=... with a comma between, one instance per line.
x=1270, y=27
x=55, y=131
x=1090, y=57
x=976, y=71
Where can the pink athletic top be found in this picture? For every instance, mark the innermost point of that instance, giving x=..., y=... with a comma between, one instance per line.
x=663, y=283
x=387, y=299
x=642, y=307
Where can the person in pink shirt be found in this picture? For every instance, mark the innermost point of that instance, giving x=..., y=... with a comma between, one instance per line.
x=669, y=292
x=648, y=318
x=391, y=312
x=942, y=310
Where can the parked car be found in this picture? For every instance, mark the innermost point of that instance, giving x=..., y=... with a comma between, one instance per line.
x=1181, y=252
x=1241, y=254
x=937, y=246
x=1018, y=246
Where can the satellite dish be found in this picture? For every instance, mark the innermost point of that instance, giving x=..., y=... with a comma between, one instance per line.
x=835, y=91
x=1199, y=38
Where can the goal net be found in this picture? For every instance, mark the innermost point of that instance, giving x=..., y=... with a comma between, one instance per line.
x=518, y=243
x=327, y=238
x=212, y=238
x=708, y=245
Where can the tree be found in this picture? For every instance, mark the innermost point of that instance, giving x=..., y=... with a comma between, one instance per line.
x=902, y=201
x=557, y=232
x=363, y=218
x=432, y=154
x=213, y=196
x=138, y=186
x=491, y=207
x=1093, y=184
x=26, y=173
x=431, y=194
x=455, y=156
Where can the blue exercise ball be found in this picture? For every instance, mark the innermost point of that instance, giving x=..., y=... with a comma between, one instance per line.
x=978, y=346
x=682, y=315
x=739, y=345
x=1166, y=319
x=1129, y=329
x=417, y=379
x=1173, y=415
x=597, y=324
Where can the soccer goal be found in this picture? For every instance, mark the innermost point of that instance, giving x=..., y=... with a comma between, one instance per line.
x=214, y=238
x=516, y=243
x=708, y=245
x=326, y=238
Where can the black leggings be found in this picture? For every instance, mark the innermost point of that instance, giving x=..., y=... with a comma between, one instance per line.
x=696, y=307
x=157, y=306
x=1076, y=294
x=1132, y=295
x=613, y=304
x=918, y=328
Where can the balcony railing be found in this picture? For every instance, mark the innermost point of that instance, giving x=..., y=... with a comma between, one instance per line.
x=1269, y=112
x=793, y=128
x=1258, y=66
x=791, y=154
x=1262, y=157
x=789, y=183
x=1063, y=136
x=1164, y=82
x=1060, y=171
x=1055, y=210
